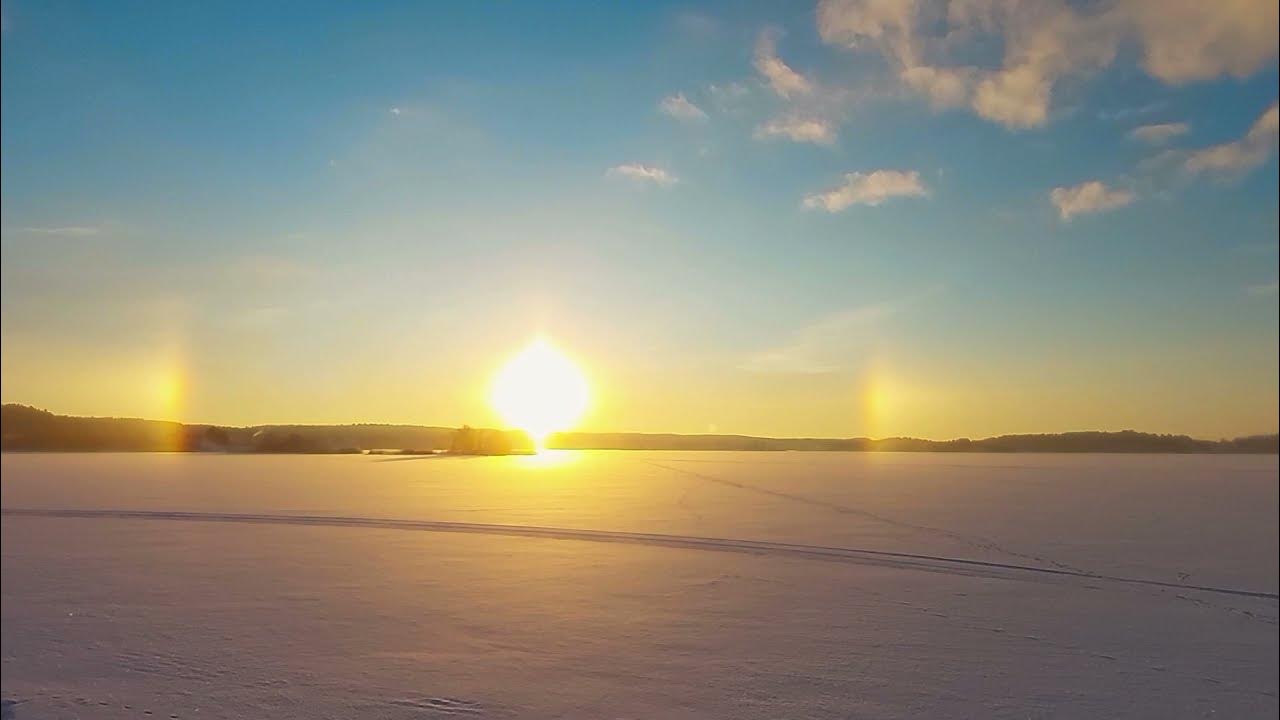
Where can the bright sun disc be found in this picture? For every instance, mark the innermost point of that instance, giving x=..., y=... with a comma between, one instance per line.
x=540, y=391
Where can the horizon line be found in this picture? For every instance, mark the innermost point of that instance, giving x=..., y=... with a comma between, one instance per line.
x=647, y=432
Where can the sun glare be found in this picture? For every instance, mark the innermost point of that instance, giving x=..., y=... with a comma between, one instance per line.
x=540, y=391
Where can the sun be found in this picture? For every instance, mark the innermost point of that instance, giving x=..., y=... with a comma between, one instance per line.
x=540, y=391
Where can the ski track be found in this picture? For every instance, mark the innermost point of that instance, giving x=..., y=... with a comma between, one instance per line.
x=974, y=541
x=930, y=563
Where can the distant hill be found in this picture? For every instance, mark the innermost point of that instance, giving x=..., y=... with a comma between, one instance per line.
x=24, y=428
x=32, y=429
x=1126, y=441
x=27, y=428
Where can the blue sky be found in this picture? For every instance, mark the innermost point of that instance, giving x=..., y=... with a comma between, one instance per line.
x=794, y=219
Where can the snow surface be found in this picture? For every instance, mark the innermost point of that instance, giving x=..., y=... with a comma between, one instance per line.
x=638, y=597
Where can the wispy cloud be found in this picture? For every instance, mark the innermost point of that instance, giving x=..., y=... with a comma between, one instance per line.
x=826, y=345
x=67, y=231
x=1089, y=197
x=1264, y=289
x=810, y=112
x=696, y=24
x=728, y=92
x=270, y=270
x=810, y=130
x=836, y=341
x=784, y=81
x=680, y=108
x=641, y=173
x=1125, y=113
x=1160, y=133
x=262, y=318
x=871, y=188
x=1239, y=156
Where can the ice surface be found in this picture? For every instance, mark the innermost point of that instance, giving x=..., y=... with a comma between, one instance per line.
x=114, y=617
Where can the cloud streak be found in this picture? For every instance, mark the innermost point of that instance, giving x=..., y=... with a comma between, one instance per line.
x=873, y=188
x=680, y=108
x=1265, y=289
x=68, y=231
x=811, y=112
x=784, y=81
x=809, y=130
x=1088, y=198
x=1240, y=156
x=1159, y=134
x=827, y=345
x=644, y=174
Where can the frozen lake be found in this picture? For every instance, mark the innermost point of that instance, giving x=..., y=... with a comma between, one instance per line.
x=640, y=585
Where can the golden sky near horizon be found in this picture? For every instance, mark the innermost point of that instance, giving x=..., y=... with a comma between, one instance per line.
x=839, y=219
x=879, y=399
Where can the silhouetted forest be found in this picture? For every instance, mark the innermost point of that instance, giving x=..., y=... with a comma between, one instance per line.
x=1126, y=441
x=31, y=429
x=28, y=428
x=479, y=441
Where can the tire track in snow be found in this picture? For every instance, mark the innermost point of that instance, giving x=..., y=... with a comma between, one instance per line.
x=933, y=563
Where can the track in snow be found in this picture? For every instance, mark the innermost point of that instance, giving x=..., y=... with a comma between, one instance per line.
x=933, y=563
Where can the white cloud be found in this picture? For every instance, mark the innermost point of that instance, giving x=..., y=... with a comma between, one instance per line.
x=395, y=111
x=1089, y=197
x=787, y=83
x=855, y=23
x=1188, y=40
x=69, y=231
x=871, y=188
x=810, y=130
x=1237, y=157
x=1160, y=133
x=1045, y=42
x=810, y=112
x=643, y=174
x=944, y=87
x=680, y=108
x=1018, y=98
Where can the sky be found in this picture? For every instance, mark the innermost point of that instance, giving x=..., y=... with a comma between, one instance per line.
x=843, y=218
